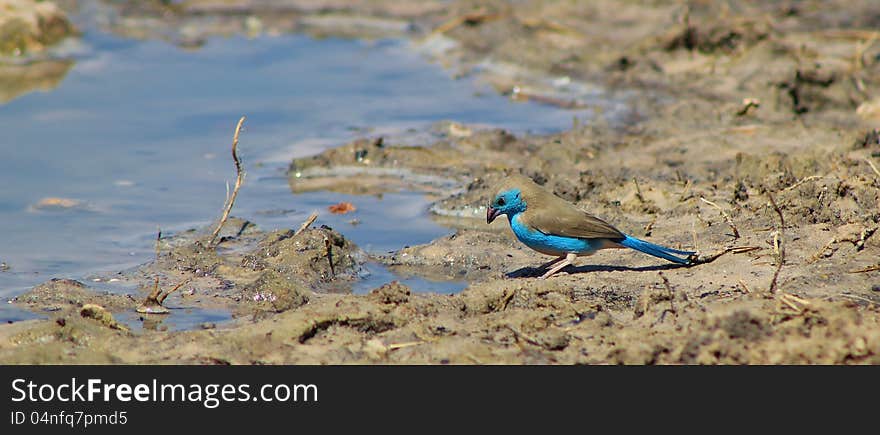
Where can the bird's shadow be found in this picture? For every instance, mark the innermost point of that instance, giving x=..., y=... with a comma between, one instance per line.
x=528, y=272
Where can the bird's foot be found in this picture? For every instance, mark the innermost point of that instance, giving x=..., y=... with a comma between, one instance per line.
x=565, y=261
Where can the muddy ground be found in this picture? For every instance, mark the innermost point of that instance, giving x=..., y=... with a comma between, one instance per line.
x=753, y=135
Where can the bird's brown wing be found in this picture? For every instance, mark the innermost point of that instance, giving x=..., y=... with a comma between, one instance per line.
x=556, y=216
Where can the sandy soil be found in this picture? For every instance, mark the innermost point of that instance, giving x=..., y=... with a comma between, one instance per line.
x=755, y=137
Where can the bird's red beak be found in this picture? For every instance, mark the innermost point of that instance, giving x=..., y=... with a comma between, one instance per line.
x=491, y=214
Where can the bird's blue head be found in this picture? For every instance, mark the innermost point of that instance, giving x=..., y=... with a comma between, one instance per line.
x=509, y=202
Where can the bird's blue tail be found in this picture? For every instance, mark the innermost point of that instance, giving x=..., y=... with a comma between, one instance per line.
x=657, y=250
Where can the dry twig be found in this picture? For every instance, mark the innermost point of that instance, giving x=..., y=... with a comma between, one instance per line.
x=519, y=334
x=802, y=181
x=506, y=300
x=153, y=302
x=726, y=216
x=477, y=17
x=780, y=250
x=238, y=181
x=735, y=250
x=747, y=105
x=876, y=171
x=650, y=226
x=859, y=298
x=395, y=346
x=815, y=257
x=684, y=193
x=638, y=190
x=328, y=245
x=873, y=268
x=794, y=302
x=306, y=224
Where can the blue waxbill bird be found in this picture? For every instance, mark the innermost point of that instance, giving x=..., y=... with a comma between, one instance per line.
x=553, y=226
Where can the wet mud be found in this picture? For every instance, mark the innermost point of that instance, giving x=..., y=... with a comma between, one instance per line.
x=755, y=143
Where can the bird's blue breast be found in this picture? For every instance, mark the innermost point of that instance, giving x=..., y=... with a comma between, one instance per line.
x=551, y=244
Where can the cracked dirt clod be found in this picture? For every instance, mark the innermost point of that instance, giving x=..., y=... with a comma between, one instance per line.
x=98, y=313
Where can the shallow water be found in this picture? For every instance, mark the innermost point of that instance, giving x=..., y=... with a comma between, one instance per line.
x=179, y=319
x=138, y=134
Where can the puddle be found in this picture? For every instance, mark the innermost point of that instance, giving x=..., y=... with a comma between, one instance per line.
x=379, y=224
x=179, y=319
x=135, y=136
x=379, y=274
x=12, y=314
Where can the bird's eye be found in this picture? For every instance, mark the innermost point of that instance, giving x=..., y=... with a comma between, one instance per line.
x=500, y=201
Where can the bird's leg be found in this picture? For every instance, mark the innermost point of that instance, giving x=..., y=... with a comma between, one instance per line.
x=569, y=258
x=551, y=262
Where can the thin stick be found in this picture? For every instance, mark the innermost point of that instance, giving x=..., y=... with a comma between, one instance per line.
x=666, y=282
x=306, y=224
x=394, y=346
x=638, y=190
x=735, y=250
x=475, y=17
x=684, y=193
x=791, y=304
x=876, y=171
x=744, y=286
x=162, y=298
x=154, y=295
x=506, y=300
x=650, y=226
x=726, y=216
x=328, y=245
x=158, y=238
x=847, y=295
x=519, y=334
x=780, y=250
x=797, y=299
x=802, y=181
x=776, y=207
x=867, y=269
x=238, y=180
x=821, y=252
x=849, y=34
